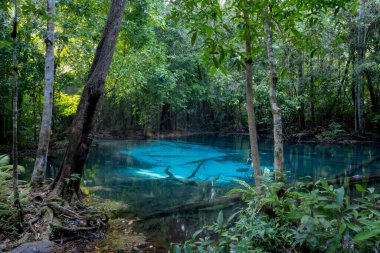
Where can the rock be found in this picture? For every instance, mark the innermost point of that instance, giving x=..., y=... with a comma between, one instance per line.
x=37, y=247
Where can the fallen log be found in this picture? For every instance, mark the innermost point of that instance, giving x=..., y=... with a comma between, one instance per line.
x=174, y=178
x=351, y=169
x=192, y=207
x=356, y=179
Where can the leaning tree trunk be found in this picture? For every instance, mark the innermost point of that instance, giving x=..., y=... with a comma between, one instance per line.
x=44, y=137
x=276, y=111
x=16, y=194
x=67, y=182
x=250, y=109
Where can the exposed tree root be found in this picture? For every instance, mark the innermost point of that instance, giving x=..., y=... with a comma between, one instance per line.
x=53, y=220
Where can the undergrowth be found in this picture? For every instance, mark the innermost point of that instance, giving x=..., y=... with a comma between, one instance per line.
x=316, y=217
x=8, y=213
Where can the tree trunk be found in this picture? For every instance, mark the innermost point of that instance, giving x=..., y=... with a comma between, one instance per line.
x=44, y=137
x=312, y=99
x=276, y=111
x=360, y=47
x=250, y=109
x=341, y=85
x=165, y=121
x=300, y=93
x=16, y=194
x=67, y=183
x=372, y=93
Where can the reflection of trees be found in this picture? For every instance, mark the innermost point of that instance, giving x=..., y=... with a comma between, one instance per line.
x=112, y=168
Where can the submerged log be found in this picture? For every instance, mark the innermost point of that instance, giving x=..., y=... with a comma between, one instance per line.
x=174, y=178
x=359, y=166
x=356, y=179
x=224, y=201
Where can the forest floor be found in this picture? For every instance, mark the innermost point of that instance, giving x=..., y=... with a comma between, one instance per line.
x=66, y=232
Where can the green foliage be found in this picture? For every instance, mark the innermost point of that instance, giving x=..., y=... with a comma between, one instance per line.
x=8, y=213
x=334, y=130
x=307, y=214
x=73, y=177
x=68, y=104
x=189, y=56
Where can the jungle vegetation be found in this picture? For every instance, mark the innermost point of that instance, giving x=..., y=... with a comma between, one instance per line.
x=75, y=69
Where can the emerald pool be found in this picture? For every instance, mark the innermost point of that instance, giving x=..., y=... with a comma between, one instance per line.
x=136, y=171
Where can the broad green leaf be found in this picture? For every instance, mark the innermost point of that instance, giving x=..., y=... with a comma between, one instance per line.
x=194, y=38
x=4, y=160
x=220, y=219
x=339, y=194
x=359, y=188
x=196, y=233
x=342, y=228
x=365, y=235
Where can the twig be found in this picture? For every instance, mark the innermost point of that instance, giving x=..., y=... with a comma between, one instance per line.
x=74, y=229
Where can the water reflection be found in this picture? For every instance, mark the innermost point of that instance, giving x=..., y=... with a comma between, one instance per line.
x=135, y=171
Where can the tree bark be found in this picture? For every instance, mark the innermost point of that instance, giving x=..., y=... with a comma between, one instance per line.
x=341, y=85
x=300, y=92
x=250, y=108
x=312, y=99
x=46, y=121
x=360, y=47
x=16, y=194
x=165, y=121
x=276, y=110
x=372, y=92
x=80, y=136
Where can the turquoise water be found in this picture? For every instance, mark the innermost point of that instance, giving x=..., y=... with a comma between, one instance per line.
x=206, y=166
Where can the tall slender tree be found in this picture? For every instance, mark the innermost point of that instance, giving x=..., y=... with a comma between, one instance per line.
x=67, y=182
x=44, y=137
x=16, y=194
x=253, y=139
x=276, y=110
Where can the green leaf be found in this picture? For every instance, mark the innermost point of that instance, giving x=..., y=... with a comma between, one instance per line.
x=220, y=219
x=377, y=213
x=324, y=183
x=196, y=233
x=4, y=160
x=336, y=11
x=365, y=235
x=227, y=28
x=215, y=61
x=359, y=188
x=339, y=194
x=342, y=228
x=194, y=38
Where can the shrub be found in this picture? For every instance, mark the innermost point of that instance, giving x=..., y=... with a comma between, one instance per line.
x=315, y=217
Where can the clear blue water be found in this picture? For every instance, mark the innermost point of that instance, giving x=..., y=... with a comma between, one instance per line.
x=134, y=171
